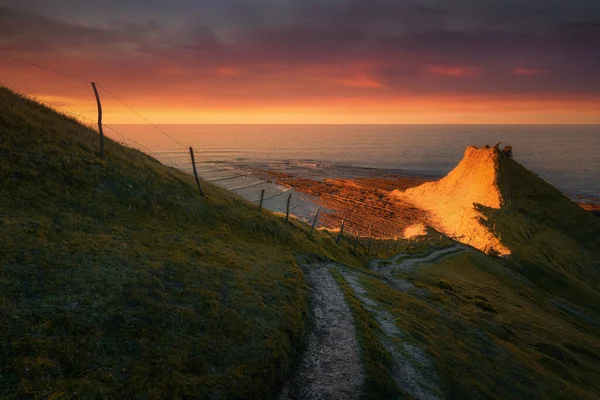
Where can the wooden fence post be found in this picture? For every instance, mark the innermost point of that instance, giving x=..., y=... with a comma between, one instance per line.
x=287, y=209
x=312, y=228
x=196, y=172
x=355, y=243
x=99, y=120
x=262, y=196
x=337, y=241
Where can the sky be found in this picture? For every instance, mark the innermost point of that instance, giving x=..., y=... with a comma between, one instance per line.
x=310, y=61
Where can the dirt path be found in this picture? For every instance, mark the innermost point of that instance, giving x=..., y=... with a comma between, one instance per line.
x=413, y=370
x=331, y=367
x=408, y=262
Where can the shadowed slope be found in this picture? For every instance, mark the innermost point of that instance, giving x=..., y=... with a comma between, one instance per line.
x=554, y=242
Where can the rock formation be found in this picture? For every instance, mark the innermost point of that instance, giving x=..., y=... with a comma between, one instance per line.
x=452, y=201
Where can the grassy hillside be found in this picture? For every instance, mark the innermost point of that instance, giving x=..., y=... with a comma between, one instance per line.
x=494, y=335
x=117, y=278
x=554, y=242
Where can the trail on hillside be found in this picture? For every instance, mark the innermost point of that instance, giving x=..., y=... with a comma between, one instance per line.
x=408, y=262
x=413, y=371
x=331, y=367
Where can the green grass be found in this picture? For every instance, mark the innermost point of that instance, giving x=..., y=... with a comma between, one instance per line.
x=492, y=335
x=376, y=359
x=554, y=243
x=118, y=280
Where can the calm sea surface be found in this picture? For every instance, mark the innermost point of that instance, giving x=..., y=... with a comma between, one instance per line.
x=566, y=156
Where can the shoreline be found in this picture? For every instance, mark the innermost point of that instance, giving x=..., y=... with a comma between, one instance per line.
x=362, y=201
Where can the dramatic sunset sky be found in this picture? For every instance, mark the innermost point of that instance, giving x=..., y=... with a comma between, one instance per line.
x=311, y=61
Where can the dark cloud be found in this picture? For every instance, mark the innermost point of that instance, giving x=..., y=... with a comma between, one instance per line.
x=407, y=46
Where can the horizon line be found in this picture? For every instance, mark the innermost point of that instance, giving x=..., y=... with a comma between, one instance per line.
x=359, y=124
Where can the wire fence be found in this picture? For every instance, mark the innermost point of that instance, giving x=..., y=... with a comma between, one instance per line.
x=364, y=234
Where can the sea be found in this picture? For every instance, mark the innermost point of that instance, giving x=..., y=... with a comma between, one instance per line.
x=567, y=156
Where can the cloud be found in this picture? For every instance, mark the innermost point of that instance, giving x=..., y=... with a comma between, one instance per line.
x=363, y=82
x=529, y=71
x=455, y=71
x=228, y=71
x=278, y=51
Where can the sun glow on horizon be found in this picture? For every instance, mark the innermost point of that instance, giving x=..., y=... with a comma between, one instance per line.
x=339, y=111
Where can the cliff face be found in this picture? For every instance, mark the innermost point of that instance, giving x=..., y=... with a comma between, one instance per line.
x=454, y=201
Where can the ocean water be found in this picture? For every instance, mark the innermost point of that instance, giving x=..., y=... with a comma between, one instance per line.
x=567, y=156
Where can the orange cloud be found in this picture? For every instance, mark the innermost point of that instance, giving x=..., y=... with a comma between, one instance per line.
x=228, y=71
x=455, y=71
x=529, y=71
x=288, y=93
x=171, y=71
x=361, y=82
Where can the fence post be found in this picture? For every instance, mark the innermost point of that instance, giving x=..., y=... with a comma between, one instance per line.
x=312, y=228
x=355, y=243
x=369, y=247
x=377, y=247
x=99, y=120
x=262, y=196
x=337, y=241
x=287, y=209
x=196, y=172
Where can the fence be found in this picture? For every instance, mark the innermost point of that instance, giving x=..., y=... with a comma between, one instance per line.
x=360, y=235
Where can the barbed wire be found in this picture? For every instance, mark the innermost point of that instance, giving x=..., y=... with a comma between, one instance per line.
x=141, y=116
x=46, y=68
x=92, y=122
x=122, y=102
x=328, y=217
x=235, y=175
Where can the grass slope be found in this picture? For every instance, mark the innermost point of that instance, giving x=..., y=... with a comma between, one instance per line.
x=554, y=243
x=493, y=335
x=118, y=280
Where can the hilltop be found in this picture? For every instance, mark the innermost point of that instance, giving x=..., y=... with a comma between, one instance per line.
x=449, y=201
x=493, y=203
